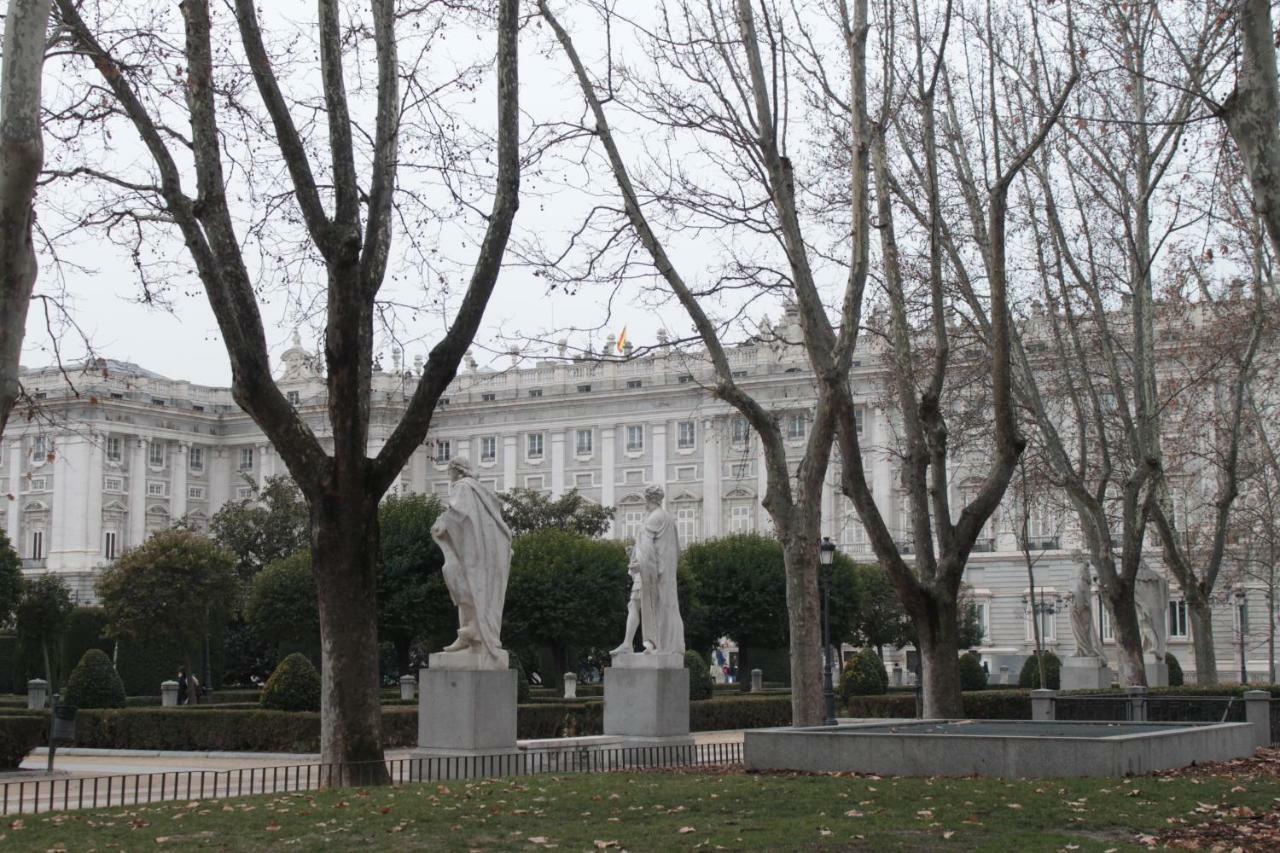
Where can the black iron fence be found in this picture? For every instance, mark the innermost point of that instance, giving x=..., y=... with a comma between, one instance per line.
x=45, y=795
x=1110, y=709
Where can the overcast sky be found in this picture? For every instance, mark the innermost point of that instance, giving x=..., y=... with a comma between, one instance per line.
x=182, y=339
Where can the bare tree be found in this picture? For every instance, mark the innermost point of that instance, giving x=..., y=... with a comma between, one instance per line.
x=21, y=157
x=737, y=90
x=348, y=235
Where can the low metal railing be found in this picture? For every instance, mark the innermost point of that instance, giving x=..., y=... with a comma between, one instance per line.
x=1093, y=708
x=108, y=791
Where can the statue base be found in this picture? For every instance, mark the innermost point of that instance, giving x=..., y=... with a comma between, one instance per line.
x=465, y=711
x=1157, y=671
x=472, y=659
x=1085, y=673
x=647, y=702
x=648, y=660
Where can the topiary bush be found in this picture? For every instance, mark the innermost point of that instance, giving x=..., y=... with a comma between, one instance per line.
x=863, y=675
x=94, y=683
x=1175, y=670
x=972, y=675
x=294, y=686
x=699, y=675
x=1030, y=675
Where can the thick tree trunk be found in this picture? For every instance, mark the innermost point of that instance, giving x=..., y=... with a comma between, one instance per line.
x=800, y=556
x=1201, y=619
x=1124, y=623
x=344, y=545
x=21, y=156
x=939, y=642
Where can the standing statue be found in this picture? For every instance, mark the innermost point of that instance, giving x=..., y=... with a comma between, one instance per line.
x=1085, y=630
x=654, y=603
x=477, y=562
x=1151, y=595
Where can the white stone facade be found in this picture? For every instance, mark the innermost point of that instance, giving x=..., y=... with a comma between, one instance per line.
x=128, y=451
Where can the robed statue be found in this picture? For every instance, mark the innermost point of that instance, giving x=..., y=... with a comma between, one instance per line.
x=1083, y=628
x=1151, y=595
x=654, y=603
x=476, y=542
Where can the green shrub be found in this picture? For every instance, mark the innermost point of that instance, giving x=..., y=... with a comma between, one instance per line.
x=86, y=629
x=863, y=675
x=294, y=686
x=1030, y=675
x=19, y=734
x=740, y=713
x=699, y=675
x=94, y=683
x=978, y=705
x=1175, y=670
x=522, y=677
x=972, y=675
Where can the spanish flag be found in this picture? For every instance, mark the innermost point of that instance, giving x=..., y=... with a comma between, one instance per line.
x=622, y=340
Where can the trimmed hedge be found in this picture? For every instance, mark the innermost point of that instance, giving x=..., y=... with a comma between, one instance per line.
x=1175, y=670
x=972, y=675
x=19, y=734
x=94, y=683
x=978, y=705
x=863, y=675
x=294, y=686
x=209, y=729
x=699, y=675
x=1030, y=675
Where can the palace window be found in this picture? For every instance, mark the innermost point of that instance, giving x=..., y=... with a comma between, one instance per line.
x=686, y=435
x=741, y=430
x=488, y=397
x=1177, y=618
x=444, y=450
x=195, y=493
x=796, y=424
x=109, y=544
x=631, y=522
x=583, y=480
x=635, y=439
x=155, y=454
x=115, y=448
x=488, y=448
x=195, y=458
x=246, y=459
x=582, y=442
x=113, y=484
x=243, y=493
x=687, y=524
x=535, y=392
x=740, y=519
x=294, y=398
x=534, y=445
x=634, y=383
x=157, y=489
x=37, y=545
x=584, y=389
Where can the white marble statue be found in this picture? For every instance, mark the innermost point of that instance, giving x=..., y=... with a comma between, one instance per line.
x=654, y=603
x=477, y=562
x=1084, y=629
x=1151, y=595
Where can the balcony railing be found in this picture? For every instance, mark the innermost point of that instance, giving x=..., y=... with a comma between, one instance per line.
x=984, y=546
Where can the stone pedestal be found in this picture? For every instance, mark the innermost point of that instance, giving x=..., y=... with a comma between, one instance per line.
x=408, y=686
x=646, y=696
x=37, y=694
x=757, y=681
x=1157, y=672
x=466, y=711
x=169, y=694
x=1085, y=673
x=570, y=686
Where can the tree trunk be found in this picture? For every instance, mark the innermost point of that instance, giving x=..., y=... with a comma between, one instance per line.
x=1201, y=619
x=21, y=157
x=1124, y=623
x=939, y=643
x=344, y=545
x=800, y=556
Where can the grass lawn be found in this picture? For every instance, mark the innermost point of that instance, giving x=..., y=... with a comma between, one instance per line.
x=683, y=811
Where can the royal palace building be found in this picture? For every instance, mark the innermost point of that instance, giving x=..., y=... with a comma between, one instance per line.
x=112, y=451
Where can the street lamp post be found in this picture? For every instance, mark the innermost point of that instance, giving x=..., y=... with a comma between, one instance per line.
x=826, y=556
x=1242, y=614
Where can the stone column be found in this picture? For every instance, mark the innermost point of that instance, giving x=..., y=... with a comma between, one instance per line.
x=1257, y=712
x=764, y=524
x=219, y=478
x=264, y=454
x=178, y=485
x=659, y=474
x=13, y=491
x=711, y=489
x=557, y=463
x=509, y=462
x=138, y=492
x=1137, y=703
x=93, y=495
x=608, y=475
x=1042, y=702
x=418, y=471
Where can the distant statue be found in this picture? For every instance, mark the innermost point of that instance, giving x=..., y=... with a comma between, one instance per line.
x=654, y=600
x=1085, y=630
x=477, y=562
x=1151, y=595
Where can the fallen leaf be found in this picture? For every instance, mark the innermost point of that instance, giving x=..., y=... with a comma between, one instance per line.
x=537, y=839
x=604, y=845
x=948, y=834
x=685, y=830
